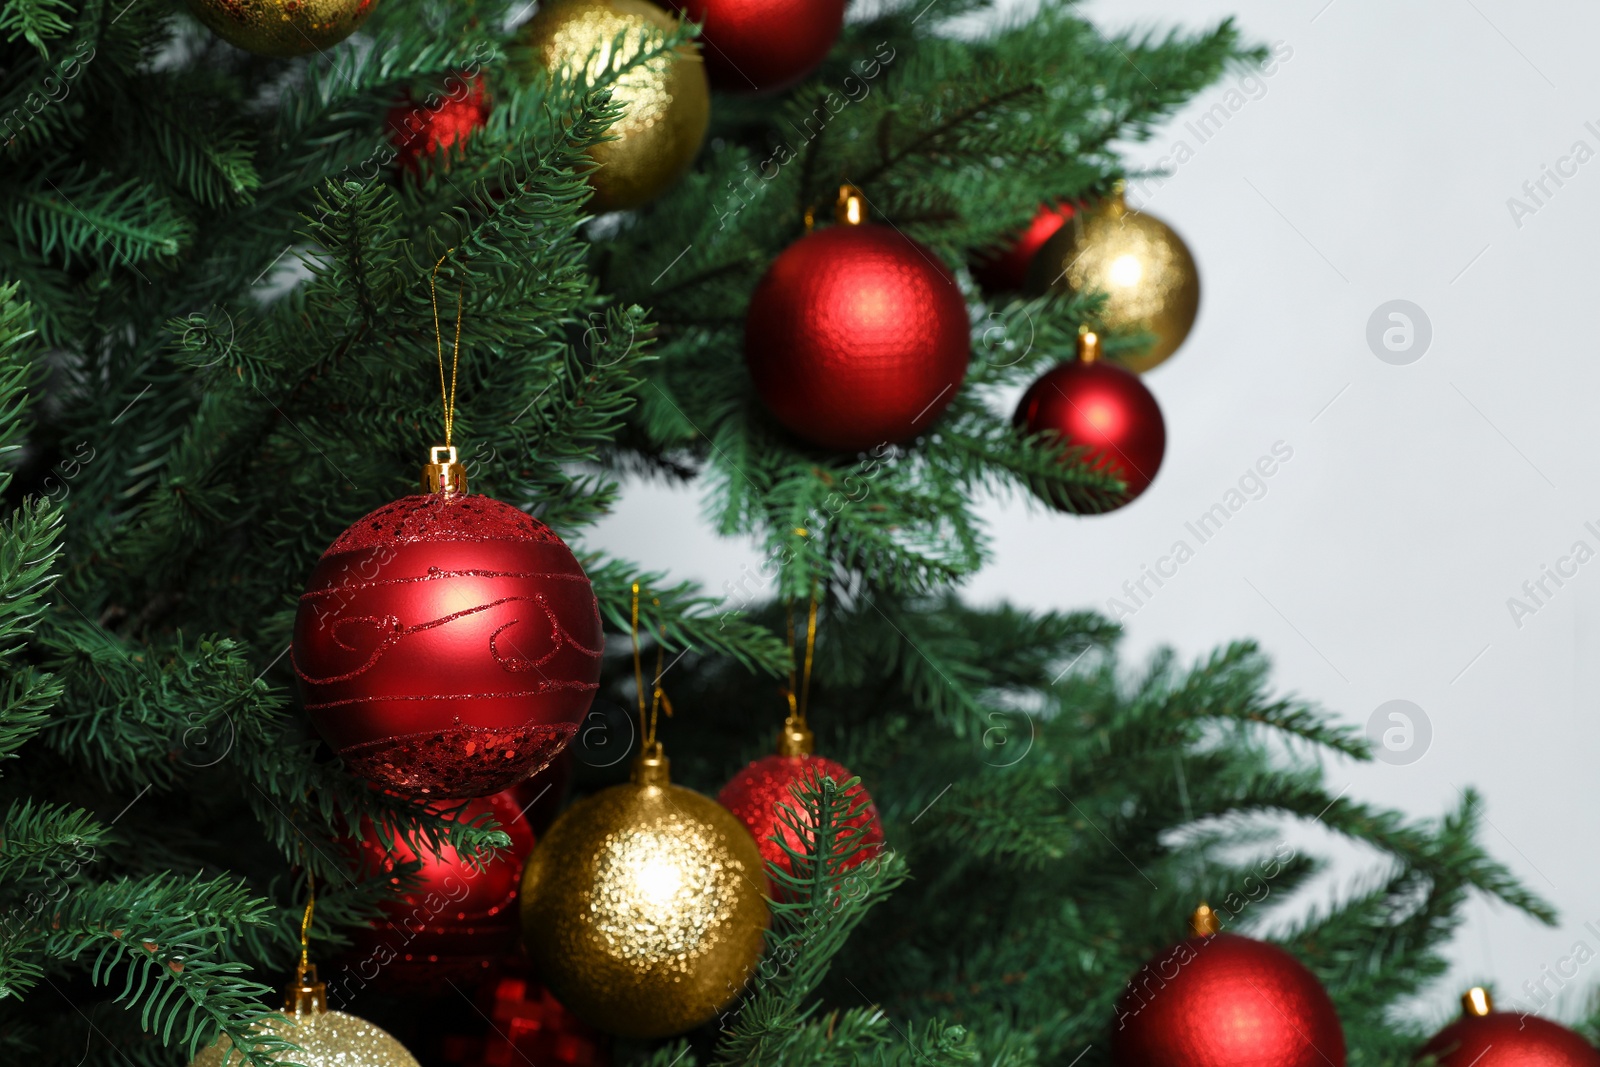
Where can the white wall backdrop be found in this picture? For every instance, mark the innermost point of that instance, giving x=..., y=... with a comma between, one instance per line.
x=1374, y=165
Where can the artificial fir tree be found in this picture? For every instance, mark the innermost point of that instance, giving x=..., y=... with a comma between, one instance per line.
x=217, y=349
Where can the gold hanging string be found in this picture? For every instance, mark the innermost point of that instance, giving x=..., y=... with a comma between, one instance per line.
x=305, y=925
x=658, y=698
x=447, y=396
x=648, y=717
x=811, y=646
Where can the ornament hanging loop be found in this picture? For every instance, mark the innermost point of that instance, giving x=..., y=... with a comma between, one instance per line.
x=444, y=472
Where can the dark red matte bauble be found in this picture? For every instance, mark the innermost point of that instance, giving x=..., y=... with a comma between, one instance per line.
x=755, y=793
x=1006, y=271
x=857, y=336
x=1105, y=409
x=1509, y=1039
x=460, y=922
x=758, y=45
x=447, y=646
x=1226, y=1001
x=437, y=123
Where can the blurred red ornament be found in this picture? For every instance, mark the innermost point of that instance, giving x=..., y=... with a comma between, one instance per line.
x=439, y=122
x=541, y=796
x=1219, y=1000
x=1006, y=271
x=1101, y=407
x=857, y=336
x=529, y=1028
x=753, y=795
x=758, y=45
x=447, y=645
x=1490, y=1038
x=459, y=922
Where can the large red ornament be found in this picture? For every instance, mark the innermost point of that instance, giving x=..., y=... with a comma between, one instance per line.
x=460, y=922
x=437, y=123
x=759, y=45
x=857, y=336
x=1006, y=271
x=1103, y=408
x=1490, y=1038
x=447, y=645
x=1220, y=1000
x=755, y=793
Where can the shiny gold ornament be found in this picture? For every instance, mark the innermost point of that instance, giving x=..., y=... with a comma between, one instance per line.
x=668, y=99
x=326, y=1038
x=282, y=28
x=1144, y=269
x=643, y=908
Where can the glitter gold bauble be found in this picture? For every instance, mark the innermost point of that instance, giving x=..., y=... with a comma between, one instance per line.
x=282, y=28
x=326, y=1038
x=667, y=100
x=1143, y=268
x=643, y=907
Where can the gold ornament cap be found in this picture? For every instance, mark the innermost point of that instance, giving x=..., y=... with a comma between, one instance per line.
x=796, y=738
x=651, y=767
x=851, y=207
x=1088, y=346
x=1477, y=1002
x=306, y=995
x=444, y=472
x=1204, y=921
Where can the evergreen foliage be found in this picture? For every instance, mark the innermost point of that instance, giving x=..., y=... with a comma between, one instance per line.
x=217, y=350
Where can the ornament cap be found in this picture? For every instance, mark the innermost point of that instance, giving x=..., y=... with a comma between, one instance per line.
x=652, y=767
x=1477, y=1001
x=1204, y=921
x=443, y=472
x=796, y=738
x=306, y=995
x=1088, y=345
x=851, y=207
x=1116, y=202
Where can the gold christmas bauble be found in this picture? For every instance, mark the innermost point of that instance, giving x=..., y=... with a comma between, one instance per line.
x=668, y=99
x=282, y=28
x=1143, y=268
x=326, y=1038
x=643, y=907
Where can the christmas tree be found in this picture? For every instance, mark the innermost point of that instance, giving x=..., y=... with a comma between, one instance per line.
x=230, y=292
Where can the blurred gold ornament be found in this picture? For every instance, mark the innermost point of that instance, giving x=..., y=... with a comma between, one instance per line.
x=326, y=1038
x=1138, y=262
x=282, y=28
x=643, y=908
x=668, y=99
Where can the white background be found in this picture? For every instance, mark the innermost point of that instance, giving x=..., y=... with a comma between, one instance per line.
x=1375, y=165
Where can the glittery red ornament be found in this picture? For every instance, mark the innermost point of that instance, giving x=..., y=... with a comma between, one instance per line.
x=1220, y=1000
x=857, y=336
x=527, y=1027
x=447, y=645
x=758, y=45
x=755, y=793
x=1103, y=408
x=1006, y=271
x=437, y=122
x=459, y=922
x=1490, y=1038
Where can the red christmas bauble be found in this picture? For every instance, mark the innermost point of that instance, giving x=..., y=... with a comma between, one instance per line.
x=1507, y=1039
x=437, y=123
x=755, y=793
x=1006, y=271
x=527, y=1027
x=460, y=921
x=447, y=646
x=759, y=45
x=1105, y=409
x=541, y=797
x=857, y=336
x=1226, y=1001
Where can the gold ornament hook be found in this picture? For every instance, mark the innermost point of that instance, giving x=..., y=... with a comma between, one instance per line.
x=443, y=472
x=1477, y=1001
x=1204, y=921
